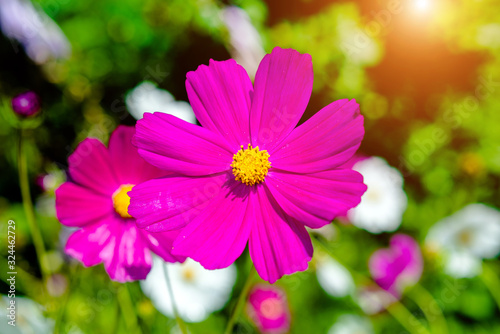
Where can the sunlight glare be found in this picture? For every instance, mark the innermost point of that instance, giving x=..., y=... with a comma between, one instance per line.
x=422, y=4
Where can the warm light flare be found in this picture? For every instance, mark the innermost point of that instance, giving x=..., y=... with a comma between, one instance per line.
x=422, y=5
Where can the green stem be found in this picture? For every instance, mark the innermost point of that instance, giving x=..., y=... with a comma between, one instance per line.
x=116, y=323
x=127, y=308
x=28, y=206
x=178, y=319
x=406, y=319
x=396, y=309
x=492, y=282
x=73, y=280
x=430, y=307
x=241, y=300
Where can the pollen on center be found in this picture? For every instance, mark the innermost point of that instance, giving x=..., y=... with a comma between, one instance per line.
x=121, y=200
x=250, y=165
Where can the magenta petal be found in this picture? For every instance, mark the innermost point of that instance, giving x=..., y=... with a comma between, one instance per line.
x=177, y=146
x=398, y=266
x=283, y=86
x=90, y=166
x=327, y=140
x=161, y=244
x=410, y=257
x=279, y=244
x=127, y=257
x=173, y=201
x=220, y=96
x=317, y=198
x=128, y=166
x=78, y=206
x=218, y=236
x=88, y=243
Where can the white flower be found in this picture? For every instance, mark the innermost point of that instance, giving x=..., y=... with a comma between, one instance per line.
x=334, y=278
x=384, y=202
x=373, y=299
x=351, y=324
x=41, y=37
x=147, y=97
x=467, y=237
x=197, y=291
x=28, y=315
x=246, y=45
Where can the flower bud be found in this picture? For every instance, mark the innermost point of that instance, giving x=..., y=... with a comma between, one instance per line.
x=26, y=104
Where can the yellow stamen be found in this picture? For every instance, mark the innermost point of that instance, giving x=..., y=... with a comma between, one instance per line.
x=188, y=274
x=121, y=200
x=250, y=165
x=465, y=237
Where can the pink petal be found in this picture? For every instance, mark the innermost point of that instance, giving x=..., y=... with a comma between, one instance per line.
x=316, y=199
x=171, y=202
x=327, y=140
x=279, y=245
x=88, y=243
x=218, y=236
x=177, y=146
x=268, y=308
x=410, y=250
x=161, y=244
x=220, y=95
x=127, y=255
x=128, y=166
x=90, y=166
x=78, y=206
x=400, y=265
x=283, y=86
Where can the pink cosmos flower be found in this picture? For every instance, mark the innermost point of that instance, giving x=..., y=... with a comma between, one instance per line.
x=249, y=175
x=398, y=266
x=96, y=201
x=268, y=308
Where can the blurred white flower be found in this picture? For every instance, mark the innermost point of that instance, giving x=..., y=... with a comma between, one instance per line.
x=351, y=324
x=147, y=97
x=329, y=231
x=45, y=203
x=373, y=299
x=467, y=236
x=29, y=317
x=197, y=291
x=384, y=202
x=334, y=278
x=40, y=36
x=246, y=44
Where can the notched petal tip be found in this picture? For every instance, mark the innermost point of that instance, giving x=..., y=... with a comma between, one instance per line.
x=211, y=64
x=278, y=49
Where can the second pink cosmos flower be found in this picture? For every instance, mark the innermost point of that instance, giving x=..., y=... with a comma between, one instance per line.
x=249, y=175
x=95, y=200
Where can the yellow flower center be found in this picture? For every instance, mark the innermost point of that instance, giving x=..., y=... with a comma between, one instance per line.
x=465, y=237
x=250, y=165
x=188, y=274
x=121, y=200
